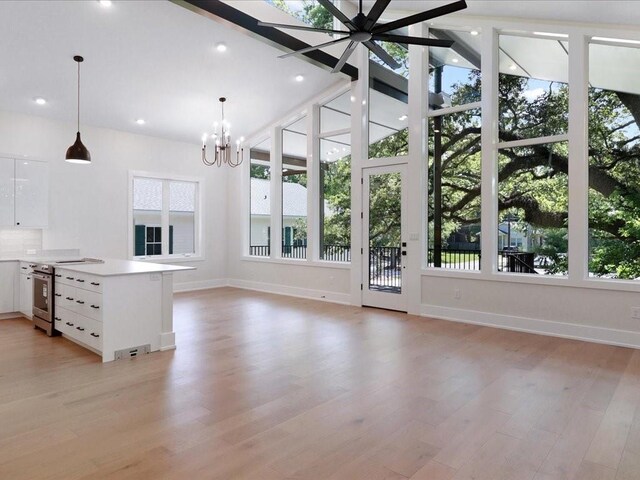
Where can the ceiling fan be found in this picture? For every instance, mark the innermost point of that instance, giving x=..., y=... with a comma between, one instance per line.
x=365, y=29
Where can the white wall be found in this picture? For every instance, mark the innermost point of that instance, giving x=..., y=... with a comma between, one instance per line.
x=88, y=203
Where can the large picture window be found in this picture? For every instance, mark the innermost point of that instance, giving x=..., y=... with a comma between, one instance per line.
x=260, y=199
x=454, y=149
x=164, y=217
x=294, y=190
x=614, y=162
x=533, y=187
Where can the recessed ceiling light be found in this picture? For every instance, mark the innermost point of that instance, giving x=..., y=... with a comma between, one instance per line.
x=474, y=32
x=221, y=47
x=105, y=3
x=454, y=60
x=40, y=100
x=140, y=121
x=512, y=67
x=299, y=78
x=402, y=118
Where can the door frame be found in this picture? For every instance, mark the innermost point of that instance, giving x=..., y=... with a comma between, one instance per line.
x=377, y=298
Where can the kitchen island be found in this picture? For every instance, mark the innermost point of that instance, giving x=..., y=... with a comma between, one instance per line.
x=117, y=309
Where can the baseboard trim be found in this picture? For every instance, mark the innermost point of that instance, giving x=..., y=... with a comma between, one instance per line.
x=6, y=316
x=324, y=296
x=587, y=333
x=200, y=285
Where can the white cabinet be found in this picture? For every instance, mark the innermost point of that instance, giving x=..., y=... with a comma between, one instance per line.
x=24, y=191
x=8, y=275
x=7, y=202
x=78, y=312
x=32, y=194
x=26, y=289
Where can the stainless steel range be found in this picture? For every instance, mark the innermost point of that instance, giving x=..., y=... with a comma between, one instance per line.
x=44, y=292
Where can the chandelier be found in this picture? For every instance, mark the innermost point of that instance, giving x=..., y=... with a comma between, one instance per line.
x=223, y=149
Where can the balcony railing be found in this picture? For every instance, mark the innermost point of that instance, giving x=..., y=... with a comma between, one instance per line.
x=455, y=259
x=330, y=253
x=385, y=269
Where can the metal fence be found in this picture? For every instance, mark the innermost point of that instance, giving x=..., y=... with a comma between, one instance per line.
x=331, y=253
x=385, y=268
x=455, y=259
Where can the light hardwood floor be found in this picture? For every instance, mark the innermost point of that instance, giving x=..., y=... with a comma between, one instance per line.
x=271, y=387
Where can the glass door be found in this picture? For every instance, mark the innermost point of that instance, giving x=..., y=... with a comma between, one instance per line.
x=384, y=245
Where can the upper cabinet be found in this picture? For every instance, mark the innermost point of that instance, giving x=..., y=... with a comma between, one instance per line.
x=24, y=189
x=7, y=200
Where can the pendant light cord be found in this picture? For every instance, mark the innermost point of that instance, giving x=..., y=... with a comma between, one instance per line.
x=78, y=96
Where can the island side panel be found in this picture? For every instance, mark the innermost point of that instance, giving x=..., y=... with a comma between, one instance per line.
x=167, y=336
x=133, y=308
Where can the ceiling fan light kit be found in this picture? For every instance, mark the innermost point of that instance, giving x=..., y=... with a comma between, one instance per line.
x=364, y=29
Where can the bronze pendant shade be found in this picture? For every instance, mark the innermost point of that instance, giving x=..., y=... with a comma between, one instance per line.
x=78, y=153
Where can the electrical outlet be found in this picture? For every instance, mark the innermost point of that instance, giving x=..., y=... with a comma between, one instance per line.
x=635, y=312
x=457, y=294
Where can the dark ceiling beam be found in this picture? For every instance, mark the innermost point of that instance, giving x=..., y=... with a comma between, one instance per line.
x=216, y=9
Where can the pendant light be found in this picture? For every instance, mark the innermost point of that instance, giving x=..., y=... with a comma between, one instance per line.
x=78, y=153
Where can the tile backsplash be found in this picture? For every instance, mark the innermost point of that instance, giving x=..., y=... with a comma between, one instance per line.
x=19, y=241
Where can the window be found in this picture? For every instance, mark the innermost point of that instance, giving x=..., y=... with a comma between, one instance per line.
x=335, y=179
x=260, y=199
x=389, y=104
x=533, y=186
x=614, y=166
x=165, y=216
x=294, y=190
x=454, y=149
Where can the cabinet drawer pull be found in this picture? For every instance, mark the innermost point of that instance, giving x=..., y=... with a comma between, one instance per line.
x=70, y=299
x=57, y=294
x=94, y=335
x=79, y=280
x=95, y=284
x=70, y=324
x=80, y=302
x=24, y=268
x=32, y=265
x=95, y=306
x=57, y=319
x=58, y=275
x=69, y=278
x=80, y=328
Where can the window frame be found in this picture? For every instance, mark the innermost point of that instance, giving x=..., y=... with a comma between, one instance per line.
x=166, y=179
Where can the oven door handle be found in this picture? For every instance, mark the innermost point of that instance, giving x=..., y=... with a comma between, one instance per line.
x=40, y=276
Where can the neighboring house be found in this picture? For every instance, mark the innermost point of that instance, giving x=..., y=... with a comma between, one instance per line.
x=147, y=207
x=294, y=208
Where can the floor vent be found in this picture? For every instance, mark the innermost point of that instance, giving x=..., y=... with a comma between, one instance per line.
x=133, y=352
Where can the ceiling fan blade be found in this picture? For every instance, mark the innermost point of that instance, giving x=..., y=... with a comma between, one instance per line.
x=382, y=54
x=345, y=56
x=428, y=42
x=421, y=17
x=313, y=47
x=375, y=12
x=346, y=21
x=299, y=27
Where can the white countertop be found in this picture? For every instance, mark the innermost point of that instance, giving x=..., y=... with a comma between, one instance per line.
x=112, y=267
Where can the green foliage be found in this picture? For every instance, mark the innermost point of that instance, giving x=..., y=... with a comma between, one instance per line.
x=312, y=13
